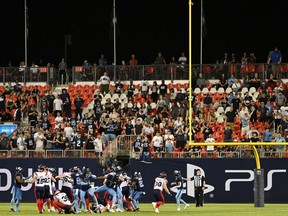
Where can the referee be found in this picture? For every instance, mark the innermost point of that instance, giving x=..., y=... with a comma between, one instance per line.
x=199, y=186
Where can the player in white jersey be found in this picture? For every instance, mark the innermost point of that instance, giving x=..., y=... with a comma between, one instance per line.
x=160, y=184
x=48, y=195
x=67, y=186
x=39, y=179
x=99, y=208
x=62, y=202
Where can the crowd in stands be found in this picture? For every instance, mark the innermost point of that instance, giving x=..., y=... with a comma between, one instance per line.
x=243, y=108
x=56, y=122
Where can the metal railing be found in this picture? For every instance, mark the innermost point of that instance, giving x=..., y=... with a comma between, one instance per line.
x=51, y=75
x=50, y=153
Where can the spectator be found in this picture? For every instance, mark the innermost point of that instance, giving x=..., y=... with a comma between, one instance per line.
x=201, y=82
x=245, y=123
x=163, y=88
x=144, y=86
x=267, y=135
x=104, y=83
x=207, y=101
x=119, y=87
x=130, y=89
x=159, y=62
x=39, y=142
x=157, y=143
x=4, y=142
x=280, y=148
x=154, y=92
x=230, y=118
x=223, y=82
x=228, y=134
x=50, y=98
x=275, y=57
x=62, y=69
x=78, y=102
x=280, y=99
x=169, y=147
x=34, y=72
x=57, y=106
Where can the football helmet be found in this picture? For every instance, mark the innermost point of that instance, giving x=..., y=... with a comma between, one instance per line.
x=163, y=175
x=19, y=169
x=137, y=174
x=177, y=172
x=41, y=167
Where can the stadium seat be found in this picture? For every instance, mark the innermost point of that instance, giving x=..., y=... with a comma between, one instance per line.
x=221, y=90
x=205, y=90
x=244, y=90
x=186, y=86
x=228, y=90
x=232, y=68
x=244, y=69
x=197, y=91
x=220, y=110
x=252, y=89
x=251, y=68
x=261, y=68
x=213, y=91
x=150, y=70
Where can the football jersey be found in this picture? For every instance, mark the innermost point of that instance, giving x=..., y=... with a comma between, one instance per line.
x=158, y=184
x=67, y=180
x=139, y=185
x=41, y=178
x=62, y=198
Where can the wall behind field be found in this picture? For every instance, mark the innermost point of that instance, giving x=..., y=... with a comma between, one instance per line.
x=228, y=180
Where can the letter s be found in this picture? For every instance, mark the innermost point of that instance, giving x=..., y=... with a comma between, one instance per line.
x=229, y=181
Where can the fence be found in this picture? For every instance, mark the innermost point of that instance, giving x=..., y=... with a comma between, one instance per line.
x=50, y=75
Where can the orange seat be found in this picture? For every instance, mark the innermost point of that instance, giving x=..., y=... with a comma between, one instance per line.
x=170, y=86
x=178, y=86
x=251, y=68
x=186, y=86
x=150, y=70
x=244, y=68
x=260, y=68
x=232, y=68
x=206, y=69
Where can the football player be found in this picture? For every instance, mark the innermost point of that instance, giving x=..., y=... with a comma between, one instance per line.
x=16, y=189
x=178, y=184
x=160, y=184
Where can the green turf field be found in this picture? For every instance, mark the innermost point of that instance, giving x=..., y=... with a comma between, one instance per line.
x=170, y=209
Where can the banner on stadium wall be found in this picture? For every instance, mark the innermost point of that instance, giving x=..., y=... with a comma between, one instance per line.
x=227, y=180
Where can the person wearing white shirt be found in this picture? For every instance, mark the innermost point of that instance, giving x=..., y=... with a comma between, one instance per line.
x=104, y=83
x=168, y=135
x=157, y=143
x=148, y=130
x=210, y=148
x=98, y=145
x=144, y=87
x=39, y=141
x=20, y=142
x=68, y=131
x=57, y=105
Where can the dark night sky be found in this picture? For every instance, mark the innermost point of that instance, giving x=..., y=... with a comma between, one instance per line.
x=146, y=27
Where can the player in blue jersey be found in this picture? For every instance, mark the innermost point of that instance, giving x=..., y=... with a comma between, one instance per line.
x=16, y=190
x=138, y=186
x=180, y=189
x=76, y=176
x=86, y=179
